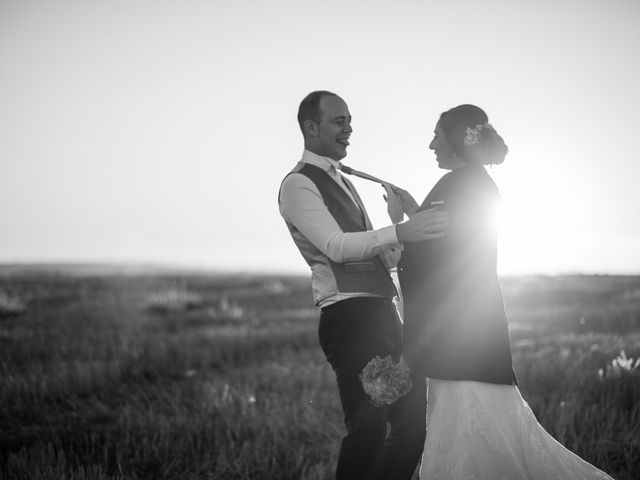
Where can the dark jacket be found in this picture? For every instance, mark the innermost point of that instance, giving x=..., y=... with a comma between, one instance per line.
x=455, y=326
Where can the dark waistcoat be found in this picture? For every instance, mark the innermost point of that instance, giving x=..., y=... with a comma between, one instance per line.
x=364, y=276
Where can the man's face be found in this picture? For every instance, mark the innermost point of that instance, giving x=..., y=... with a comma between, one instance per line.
x=334, y=129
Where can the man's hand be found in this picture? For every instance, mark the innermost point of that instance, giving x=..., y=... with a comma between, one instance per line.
x=394, y=204
x=409, y=205
x=425, y=225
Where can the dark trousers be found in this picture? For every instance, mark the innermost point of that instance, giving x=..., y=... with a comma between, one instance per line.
x=352, y=332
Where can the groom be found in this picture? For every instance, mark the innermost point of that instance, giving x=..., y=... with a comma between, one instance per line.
x=351, y=284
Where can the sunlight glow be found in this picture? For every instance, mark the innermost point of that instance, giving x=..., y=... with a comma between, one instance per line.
x=538, y=231
x=129, y=134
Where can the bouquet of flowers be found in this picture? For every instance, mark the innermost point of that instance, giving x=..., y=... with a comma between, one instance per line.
x=385, y=381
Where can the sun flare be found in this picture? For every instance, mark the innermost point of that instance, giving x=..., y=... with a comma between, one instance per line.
x=540, y=232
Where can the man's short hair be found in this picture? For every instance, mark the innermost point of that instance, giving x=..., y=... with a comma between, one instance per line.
x=310, y=107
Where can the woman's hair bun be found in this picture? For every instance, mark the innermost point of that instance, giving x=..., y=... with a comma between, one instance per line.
x=471, y=136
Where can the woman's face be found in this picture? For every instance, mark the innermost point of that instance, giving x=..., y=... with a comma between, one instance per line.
x=441, y=147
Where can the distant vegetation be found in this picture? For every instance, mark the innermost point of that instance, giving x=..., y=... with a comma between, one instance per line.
x=193, y=376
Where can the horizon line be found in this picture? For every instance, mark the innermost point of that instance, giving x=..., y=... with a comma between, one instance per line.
x=142, y=266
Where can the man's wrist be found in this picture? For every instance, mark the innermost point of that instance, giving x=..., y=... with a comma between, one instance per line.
x=387, y=236
x=400, y=232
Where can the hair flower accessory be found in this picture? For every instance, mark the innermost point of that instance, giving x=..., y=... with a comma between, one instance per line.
x=385, y=381
x=472, y=136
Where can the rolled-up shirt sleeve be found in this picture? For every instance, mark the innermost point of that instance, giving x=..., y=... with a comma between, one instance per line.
x=301, y=205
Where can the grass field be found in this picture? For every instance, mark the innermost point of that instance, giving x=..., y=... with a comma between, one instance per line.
x=190, y=376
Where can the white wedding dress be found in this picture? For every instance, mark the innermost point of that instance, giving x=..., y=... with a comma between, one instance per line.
x=484, y=431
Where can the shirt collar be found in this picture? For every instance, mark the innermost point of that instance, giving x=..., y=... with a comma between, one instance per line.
x=325, y=163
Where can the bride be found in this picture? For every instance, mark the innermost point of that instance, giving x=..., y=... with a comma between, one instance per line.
x=455, y=328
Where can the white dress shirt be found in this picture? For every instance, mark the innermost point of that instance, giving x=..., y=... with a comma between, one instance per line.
x=309, y=220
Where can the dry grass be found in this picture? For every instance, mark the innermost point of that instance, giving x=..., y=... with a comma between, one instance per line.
x=11, y=304
x=233, y=385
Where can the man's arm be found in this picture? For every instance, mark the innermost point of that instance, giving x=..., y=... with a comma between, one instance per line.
x=425, y=225
x=301, y=204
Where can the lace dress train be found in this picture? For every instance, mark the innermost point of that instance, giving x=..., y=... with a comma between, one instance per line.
x=478, y=431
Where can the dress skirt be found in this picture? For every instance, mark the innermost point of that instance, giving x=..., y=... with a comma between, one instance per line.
x=485, y=431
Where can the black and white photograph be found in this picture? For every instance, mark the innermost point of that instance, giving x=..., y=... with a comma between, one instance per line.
x=296, y=240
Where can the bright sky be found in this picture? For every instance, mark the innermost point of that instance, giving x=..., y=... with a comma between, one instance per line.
x=159, y=131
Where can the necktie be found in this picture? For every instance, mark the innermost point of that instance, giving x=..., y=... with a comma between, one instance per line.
x=350, y=188
x=340, y=180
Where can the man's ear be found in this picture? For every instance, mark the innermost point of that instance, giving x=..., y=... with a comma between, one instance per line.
x=311, y=128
